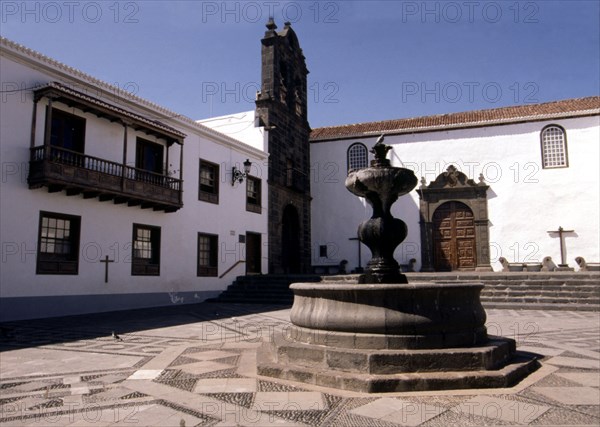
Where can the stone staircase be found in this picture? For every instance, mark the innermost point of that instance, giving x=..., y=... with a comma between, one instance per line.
x=543, y=291
x=263, y=289
x=566, y=293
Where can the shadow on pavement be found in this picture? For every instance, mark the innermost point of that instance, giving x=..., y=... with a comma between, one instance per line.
x=56, y=330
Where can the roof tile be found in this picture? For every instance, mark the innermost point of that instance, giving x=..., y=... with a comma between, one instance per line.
x=557, y=109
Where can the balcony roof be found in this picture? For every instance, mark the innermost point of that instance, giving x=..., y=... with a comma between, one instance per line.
x=73, y=98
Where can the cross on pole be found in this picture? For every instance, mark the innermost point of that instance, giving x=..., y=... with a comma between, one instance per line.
x=106, y=261
x=561, y=232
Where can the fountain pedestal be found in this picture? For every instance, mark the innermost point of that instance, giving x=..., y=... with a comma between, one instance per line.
x=389, y=316
x=391, y=338
x=384, y=334
x=381, y=185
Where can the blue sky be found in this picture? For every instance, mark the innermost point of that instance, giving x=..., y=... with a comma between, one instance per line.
x=368, y=60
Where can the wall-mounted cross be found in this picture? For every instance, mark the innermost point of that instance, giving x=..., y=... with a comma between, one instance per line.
x=106, y=261
x=563, y=248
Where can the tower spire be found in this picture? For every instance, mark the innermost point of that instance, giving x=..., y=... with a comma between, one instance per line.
x=271, y=26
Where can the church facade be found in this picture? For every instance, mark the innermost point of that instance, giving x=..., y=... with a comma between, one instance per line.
x=495, y=184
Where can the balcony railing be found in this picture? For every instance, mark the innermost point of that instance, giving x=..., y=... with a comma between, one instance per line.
x=59, y=168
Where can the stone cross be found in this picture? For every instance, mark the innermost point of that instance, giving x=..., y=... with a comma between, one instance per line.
x=106, y=261
x=561, y=231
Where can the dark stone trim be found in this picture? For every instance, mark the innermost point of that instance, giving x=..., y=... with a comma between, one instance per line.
x=454, y=185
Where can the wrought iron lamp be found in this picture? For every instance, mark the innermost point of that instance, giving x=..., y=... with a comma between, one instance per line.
x=238, y=175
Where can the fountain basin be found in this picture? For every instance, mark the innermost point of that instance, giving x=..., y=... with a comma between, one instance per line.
x=392, y=316
x=382, y=181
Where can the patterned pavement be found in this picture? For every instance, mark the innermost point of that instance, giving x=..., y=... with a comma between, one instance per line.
x=196, y=366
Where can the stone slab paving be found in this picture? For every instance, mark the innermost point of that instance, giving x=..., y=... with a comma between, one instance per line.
x=196, y=366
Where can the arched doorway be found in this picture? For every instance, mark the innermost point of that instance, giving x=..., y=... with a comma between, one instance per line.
x=454, y=223
x=454, y=246
x=290, y=244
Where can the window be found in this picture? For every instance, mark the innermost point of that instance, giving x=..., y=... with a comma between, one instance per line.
x=58, y=244
x=253, y=194
x=209, y=182
x=289, y=176
x=357, y=156
x=208, y=255
x=294, y=177
x=146, y=250
x=283, y=82
x=323, y=251
x=67, y=131
x=554, y=147
x=149, y=156
x=298, y=96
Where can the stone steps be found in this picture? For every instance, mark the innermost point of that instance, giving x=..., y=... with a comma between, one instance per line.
x=545, y=292
x=490, y=365
x=508, y=376
x=540, y=306
x=503, y=276
x=580, y=285
x=263, y=289
x=548, y=291
x=582, y=289
x=541, y=300
x=592, y=293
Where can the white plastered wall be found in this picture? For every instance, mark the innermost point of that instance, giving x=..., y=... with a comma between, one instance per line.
x=106, y=228
x=525, y=201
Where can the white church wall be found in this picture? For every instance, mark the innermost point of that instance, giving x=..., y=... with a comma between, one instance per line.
x=107, y=228
x=525, y=201
x=241, y=126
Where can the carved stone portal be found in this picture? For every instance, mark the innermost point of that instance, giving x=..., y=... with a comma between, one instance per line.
x=470, y=199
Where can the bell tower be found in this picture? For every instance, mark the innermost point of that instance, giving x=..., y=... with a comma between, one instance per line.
x=281, y=108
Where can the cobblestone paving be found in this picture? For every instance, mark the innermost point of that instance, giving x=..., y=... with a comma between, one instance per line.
x=196, y=366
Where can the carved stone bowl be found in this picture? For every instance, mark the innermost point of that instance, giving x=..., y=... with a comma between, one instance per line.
x=415, y=315
x=385, y=182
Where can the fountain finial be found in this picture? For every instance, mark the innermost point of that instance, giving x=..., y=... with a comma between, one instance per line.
x=380, y=151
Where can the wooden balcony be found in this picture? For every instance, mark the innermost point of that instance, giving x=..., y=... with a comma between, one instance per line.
x=60, y=169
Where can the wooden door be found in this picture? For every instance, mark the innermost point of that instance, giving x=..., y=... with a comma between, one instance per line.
x=453, y=237
x=290, y=241
x=253, y=253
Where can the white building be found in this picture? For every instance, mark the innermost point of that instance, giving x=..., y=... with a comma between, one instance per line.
x=539, y=165
x=109, y=201
x=91, y=174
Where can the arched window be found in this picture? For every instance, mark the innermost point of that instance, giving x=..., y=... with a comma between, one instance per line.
x=357, y=156
x=554, y=147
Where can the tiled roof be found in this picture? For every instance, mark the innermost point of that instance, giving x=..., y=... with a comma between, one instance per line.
x=549, y=110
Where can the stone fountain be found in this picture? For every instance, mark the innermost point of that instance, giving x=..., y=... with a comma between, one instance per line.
x=384, y=334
